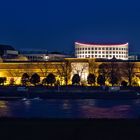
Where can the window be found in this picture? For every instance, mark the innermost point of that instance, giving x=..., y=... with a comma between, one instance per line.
x=103, y=48
x=106, y=55
x=113, y=48
x=110, y=48
x=99, y=48
x=88, y=48
x=95, y=48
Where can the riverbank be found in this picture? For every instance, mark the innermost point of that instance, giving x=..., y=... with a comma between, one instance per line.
x=67, y=92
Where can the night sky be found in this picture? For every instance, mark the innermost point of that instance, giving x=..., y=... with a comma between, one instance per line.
x=56, y=24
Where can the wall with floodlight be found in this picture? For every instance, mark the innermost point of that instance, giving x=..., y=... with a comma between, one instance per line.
x=74, y=66
x=119, y=51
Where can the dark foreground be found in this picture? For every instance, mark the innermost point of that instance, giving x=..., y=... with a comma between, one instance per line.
x=69, y=129
x=72, y=95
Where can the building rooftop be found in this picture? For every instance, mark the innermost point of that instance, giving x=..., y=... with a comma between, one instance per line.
x=103, y=44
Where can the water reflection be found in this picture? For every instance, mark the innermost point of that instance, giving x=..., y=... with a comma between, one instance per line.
x=4, y=109
x=123, y=111
x=87, y=108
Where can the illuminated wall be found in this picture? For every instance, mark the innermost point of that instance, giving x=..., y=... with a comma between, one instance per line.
x=82, y=69
x=76, y=66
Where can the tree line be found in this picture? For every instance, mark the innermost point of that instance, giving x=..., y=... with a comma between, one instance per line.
x=108, y=73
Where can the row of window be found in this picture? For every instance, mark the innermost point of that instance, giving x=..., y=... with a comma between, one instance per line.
x=111, y=48
x=102, y=56
x=34, y=57
x=99, y=52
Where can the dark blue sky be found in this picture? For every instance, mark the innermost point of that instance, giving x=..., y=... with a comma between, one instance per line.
x=56, y=24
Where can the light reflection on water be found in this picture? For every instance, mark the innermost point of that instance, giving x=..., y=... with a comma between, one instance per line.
x=83, y=108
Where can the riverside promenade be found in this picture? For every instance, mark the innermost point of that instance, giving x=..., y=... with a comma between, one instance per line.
x=67, y=92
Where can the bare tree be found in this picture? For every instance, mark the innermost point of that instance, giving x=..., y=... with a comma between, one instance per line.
x=110, y=71
x=127, y=70
x=113, y=73
x=44, y=68
x=93, y=67
x=15, y=72
x=64, y=71
x=79, y=68
x=103, y=70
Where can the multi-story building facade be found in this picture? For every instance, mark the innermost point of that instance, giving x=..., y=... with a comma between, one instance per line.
x=104, y=51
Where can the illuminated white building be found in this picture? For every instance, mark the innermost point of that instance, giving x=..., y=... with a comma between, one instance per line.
x=109, y=51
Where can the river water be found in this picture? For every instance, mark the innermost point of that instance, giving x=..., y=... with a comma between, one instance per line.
x=82, y=108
